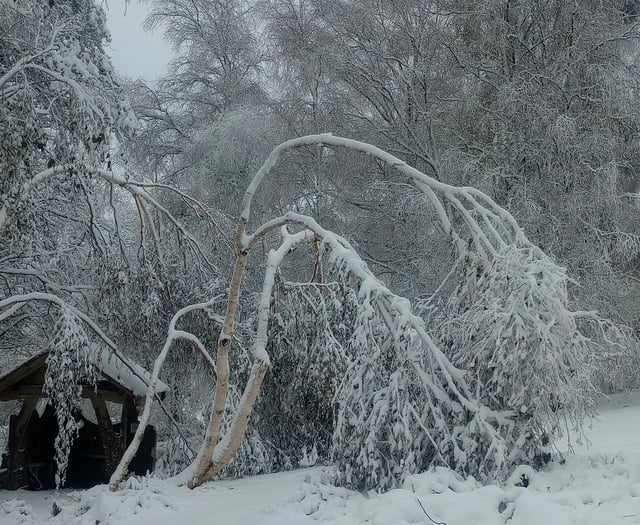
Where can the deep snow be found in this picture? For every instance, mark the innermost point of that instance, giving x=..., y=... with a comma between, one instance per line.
x=595, y=486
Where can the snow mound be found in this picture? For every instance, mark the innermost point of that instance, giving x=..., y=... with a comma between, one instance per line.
x=583, y=490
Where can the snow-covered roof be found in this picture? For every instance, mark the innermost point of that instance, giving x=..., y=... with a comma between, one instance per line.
x=111, y=365
x=124, y=371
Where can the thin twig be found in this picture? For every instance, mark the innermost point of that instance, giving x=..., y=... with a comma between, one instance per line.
x=427, y=515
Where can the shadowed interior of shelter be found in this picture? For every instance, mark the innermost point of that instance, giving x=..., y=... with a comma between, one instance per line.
x=105, y=425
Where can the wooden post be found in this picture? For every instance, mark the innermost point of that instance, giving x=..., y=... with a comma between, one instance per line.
x=129, y=418
x=17, y=474
x=111, y=442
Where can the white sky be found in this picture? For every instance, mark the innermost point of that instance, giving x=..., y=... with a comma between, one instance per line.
x=136, y=53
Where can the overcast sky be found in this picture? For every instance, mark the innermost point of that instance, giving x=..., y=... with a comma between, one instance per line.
x=136, y=53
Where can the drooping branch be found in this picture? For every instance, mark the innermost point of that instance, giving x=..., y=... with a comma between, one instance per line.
x=490, y=226
x=395, y=306
x=16, y=301
x=137, y=190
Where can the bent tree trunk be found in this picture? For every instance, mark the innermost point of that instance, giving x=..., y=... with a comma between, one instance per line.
x=489, y=228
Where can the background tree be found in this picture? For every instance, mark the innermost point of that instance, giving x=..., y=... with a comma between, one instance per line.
x=61, y=104
x=69, y=239
x=549, y=125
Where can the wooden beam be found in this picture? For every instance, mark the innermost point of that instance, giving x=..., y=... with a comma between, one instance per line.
x=35, y=392
x=129, y=417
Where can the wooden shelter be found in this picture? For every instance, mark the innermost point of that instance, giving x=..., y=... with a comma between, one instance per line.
x=106, y=422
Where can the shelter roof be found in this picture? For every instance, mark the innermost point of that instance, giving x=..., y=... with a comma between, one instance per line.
x=111, y=365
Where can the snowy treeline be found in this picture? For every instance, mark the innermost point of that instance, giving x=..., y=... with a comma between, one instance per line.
x=455, y=296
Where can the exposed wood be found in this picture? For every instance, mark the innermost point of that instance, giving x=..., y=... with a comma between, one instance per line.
x=144, y=460
x=132, y=439
x=108, y=383
x=130, y=415
x=17, y=474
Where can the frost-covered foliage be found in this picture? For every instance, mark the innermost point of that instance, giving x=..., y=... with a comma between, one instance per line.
x=477, y=385
x=508, y=327
x=68, y=368
x=402, y=406
x=60, y=99
x=210, y=142
x=615, y=362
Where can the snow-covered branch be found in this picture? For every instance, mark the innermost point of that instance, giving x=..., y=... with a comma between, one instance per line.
x=21, y=299
x=22, y=63
x=490, y=226
x=173, y=335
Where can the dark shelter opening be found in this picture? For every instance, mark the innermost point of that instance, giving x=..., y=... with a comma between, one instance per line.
x=105, y=426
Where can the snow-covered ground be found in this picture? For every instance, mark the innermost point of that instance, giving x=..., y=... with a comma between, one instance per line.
x=598, y=485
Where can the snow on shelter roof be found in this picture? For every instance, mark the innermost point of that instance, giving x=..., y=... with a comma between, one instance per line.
x=124, y=371
x=111, y=364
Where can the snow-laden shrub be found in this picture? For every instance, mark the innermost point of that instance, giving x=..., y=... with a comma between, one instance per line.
x=68, y=368
x=308, y=333
x=508, y=326
x=402, y=406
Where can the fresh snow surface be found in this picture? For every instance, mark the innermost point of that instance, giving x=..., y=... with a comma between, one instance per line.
x=596, y=486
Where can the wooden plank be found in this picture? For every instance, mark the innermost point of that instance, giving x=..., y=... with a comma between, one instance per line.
x=27, y=368
x=107, y=395
x=32, y=371
x=129, y=418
